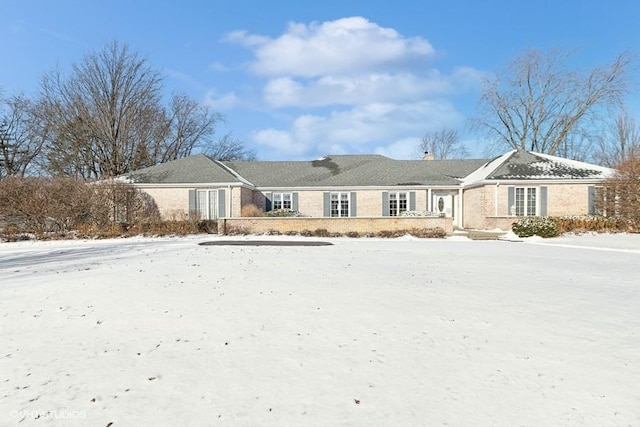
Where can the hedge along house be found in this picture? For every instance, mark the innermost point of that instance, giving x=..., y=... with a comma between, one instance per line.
x=478, y=194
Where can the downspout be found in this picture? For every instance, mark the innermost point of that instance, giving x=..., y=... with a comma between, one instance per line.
x=460, y=219
x=495, y=202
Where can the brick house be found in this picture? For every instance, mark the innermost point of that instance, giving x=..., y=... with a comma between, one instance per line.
x=473, y=194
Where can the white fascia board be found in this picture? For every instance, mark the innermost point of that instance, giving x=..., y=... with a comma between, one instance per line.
x=356, y=188
x=485, y=170
x=189, y=185
x=236, y=174
x=533, y=182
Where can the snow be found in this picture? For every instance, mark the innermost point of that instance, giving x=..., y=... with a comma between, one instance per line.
x=575, y=164
x=366, y=332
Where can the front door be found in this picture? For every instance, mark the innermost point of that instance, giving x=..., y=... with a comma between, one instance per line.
x=443, y=204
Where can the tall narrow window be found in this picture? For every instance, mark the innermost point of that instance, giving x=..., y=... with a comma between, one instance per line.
x=397, y=203
x=206, y=205
x=526, y=201
x=339, y=204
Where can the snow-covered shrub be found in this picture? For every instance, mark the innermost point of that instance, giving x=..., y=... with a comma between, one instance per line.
x=528, y=226
x=418, y=213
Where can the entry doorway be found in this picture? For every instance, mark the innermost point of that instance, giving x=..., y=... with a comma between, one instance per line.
x=443, y=204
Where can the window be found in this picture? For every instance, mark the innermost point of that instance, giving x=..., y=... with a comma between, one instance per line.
x=206, y=205
x=526, y=201
x=339, y=205
x=397, y=203
x=282, y=201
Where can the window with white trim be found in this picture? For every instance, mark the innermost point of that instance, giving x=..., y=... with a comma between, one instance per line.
x=526, y=201
x=282, y=201
x=206, y=204
x=397, y=203
x=339, y=204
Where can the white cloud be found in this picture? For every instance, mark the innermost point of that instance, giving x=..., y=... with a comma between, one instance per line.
x=246, y=39
x=367, y=88
x=222, y=102
x=362, y=129
x=345, y=45
x=280, y=141
x=405, y=148
x=219, y=66
x=355, y=86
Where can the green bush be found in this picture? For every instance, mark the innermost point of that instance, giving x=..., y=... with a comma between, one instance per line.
x=535, y=226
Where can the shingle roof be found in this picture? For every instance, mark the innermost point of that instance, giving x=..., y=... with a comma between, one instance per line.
x=529, y=165
x=193, y=169
x=340, y=170
x=454, y=168
x=368, y=171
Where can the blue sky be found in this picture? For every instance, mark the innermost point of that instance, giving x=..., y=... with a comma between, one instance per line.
x=301, y=79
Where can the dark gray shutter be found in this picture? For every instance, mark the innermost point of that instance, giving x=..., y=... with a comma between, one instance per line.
x=412, y=200
x=543, y=201
x=267, y=201
x=193, y=204
x=326, y=204
x=352, y=204
x=221, y=203
x=294, y=202
x=511, y=199
x=385, y=203
x=592, y=200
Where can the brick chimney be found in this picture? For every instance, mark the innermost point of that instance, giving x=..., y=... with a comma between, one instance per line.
x=427, y=156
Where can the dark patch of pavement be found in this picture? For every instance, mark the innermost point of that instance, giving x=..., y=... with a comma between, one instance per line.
x=265, y=243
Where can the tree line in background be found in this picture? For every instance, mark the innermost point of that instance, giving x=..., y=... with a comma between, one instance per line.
x=107, y=118
x=104, y=119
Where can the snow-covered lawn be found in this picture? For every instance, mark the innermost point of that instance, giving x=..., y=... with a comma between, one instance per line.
x=367, y=332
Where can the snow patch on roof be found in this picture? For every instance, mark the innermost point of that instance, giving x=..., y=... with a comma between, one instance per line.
x=484, y=171
x=604, y=172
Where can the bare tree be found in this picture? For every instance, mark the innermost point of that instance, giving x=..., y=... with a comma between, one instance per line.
x=620, y=195
x=443, y=144
x=230, y=148
x=189, y=126
x=21, y=136
x=537, y=102
x=621, y=140
x=106, y=118
x=579, y=144
x=105, y=113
